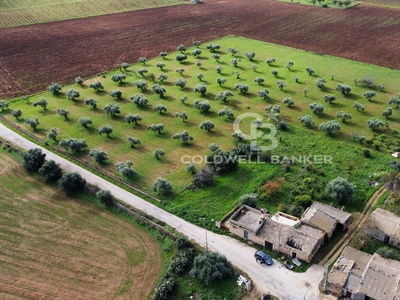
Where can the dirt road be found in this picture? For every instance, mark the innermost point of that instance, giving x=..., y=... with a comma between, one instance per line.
x=276, y=279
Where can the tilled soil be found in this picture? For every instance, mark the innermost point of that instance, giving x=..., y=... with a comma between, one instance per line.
x=31, y=57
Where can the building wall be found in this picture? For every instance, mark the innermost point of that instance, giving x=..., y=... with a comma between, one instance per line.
x=380, y=236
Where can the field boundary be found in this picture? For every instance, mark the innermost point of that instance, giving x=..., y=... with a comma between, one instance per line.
x=56, y=149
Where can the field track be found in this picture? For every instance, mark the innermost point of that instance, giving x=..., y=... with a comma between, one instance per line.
x=34, y=56
x=58, y=247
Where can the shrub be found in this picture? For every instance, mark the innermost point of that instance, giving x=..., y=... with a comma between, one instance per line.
x=164, y=288
x=249, y=200
x=182, y=261
x=211, y=267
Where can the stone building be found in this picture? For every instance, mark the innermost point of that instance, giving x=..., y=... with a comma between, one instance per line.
x=280, y=232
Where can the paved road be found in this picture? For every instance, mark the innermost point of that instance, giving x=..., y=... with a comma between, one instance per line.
x=276, y=279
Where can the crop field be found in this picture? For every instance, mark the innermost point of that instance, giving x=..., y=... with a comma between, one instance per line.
x=171, y=165
x=33, y=56
x=17, y=13
x=383, y=3
x=326, y=3
x=58, y=247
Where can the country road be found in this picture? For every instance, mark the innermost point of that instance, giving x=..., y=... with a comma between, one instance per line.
x=275, y=279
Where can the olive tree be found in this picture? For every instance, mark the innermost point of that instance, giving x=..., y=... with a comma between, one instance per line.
x=374, y=124
x=156, y=127
x=329, y=98
x=307, y=120
x=343, y=115
x=92, y=102
x=51, y=171
x=162, y=185
x=221, y=81
x=98, y=155
x=34, y=159
x=358, y=106
x=200, y=88
x=288, y=101
x=340, y=190
x=72, y=182
x=16, y=113
x=182, y=115
x=184, y=136
x=180, y=82
x=161, y=108
x=158, y=152
x=207, y=125
x=112, y=109
x=133, y=118
x=62, y=112
x=54, y=88
x=116, y=93
x=125, y=169
x=85, y=121
x=118, y=78
x=97, y=86
x=317, y=108
x=33, y=123
x=161, y=65
x=140, y=84
x=243, y=88
x=72, y=94
x=105, y=129
x=162, y=77
x=369, y=95
x=159, y=90
x=264, y=94
x=224, y=96
x=42, y=102
x=226, y=112
x=139, y=100
x=105, y=197
x=52, y=134
x=203, y=106
x=73, y=144
x=329, y=127
x=387, y=112
x=133, y=141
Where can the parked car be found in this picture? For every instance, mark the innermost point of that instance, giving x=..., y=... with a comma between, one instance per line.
x=263, y=258
x=288, y=265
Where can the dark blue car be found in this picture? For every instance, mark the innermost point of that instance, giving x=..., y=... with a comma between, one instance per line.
x=263, y=258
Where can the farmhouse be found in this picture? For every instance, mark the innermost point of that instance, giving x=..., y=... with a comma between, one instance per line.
x=358, y=275
x=384, y=226
x=326, y=218
x=280, y=232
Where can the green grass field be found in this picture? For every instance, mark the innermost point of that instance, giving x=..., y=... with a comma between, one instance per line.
x=298, y=140
x=16, y=12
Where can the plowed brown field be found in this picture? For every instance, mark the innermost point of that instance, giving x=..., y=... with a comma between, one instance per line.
x=34, y=56
x=58, y=247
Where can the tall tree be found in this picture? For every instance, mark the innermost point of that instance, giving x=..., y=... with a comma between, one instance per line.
x=51, y=171
x=34, y=159
x=72, y=182
x=341, y=190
